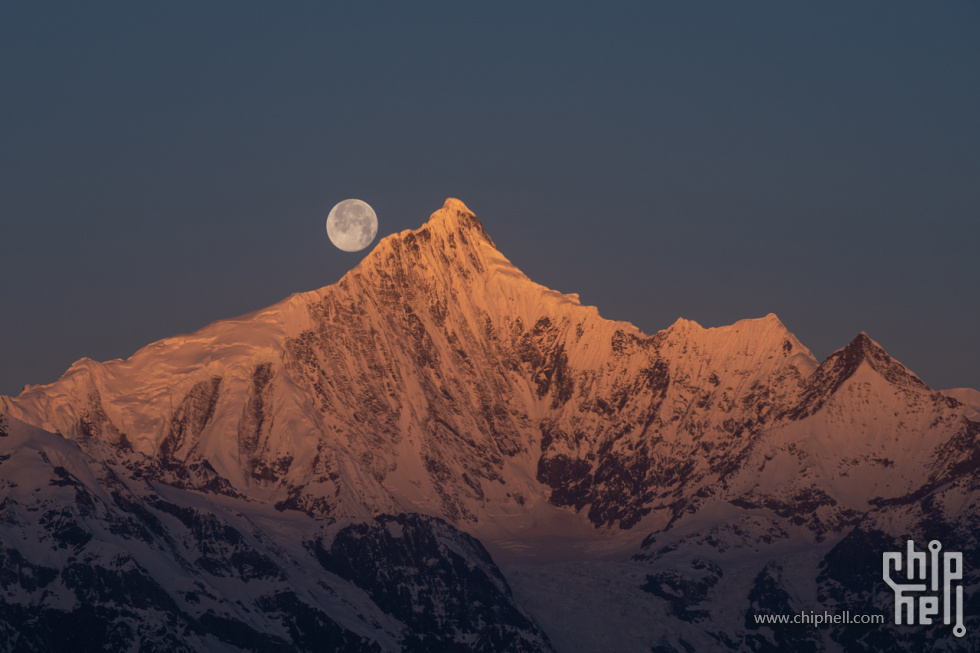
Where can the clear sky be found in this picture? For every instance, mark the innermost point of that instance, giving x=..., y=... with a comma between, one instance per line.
x=165, y=165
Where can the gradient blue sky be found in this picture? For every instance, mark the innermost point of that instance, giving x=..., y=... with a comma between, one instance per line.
x=166, y=165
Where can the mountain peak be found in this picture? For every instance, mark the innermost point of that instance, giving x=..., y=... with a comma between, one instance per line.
x=865, y=350
x=762, y=334
x=862, y=347
x=864, y=341
x=450, y=228
x=454, y=217
x=862, y=350
x=455, y=205
x=861, y=353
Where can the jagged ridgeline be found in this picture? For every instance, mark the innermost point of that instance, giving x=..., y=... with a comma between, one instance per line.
x=329, y=473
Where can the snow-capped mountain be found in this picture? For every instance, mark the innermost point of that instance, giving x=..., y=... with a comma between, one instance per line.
x=379, y=429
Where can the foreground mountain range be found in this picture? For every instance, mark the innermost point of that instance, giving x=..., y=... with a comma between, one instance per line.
x=436, y=453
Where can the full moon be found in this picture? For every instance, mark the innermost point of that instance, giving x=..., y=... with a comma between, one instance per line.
x=352, y=225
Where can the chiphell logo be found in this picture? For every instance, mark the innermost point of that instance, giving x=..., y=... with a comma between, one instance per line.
x=929, y=569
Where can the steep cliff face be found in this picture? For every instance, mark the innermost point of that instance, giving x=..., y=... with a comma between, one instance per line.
x=665, y=418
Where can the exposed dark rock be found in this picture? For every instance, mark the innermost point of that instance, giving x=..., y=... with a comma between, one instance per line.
x=441, y=583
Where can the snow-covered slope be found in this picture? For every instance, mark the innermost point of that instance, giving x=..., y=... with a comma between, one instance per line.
x=96, y=556
x=435, y=378
x=968, y=397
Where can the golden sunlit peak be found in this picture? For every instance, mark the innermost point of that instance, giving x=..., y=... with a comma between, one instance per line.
x=457, y=205
x=453, y=212
x=456, y=216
